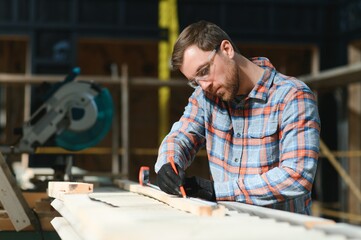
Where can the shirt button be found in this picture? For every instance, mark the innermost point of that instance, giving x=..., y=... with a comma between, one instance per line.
x=236, y=159
x=238, y=134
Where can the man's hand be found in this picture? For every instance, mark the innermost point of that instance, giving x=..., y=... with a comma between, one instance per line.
x=200, y=188
x=169, y=181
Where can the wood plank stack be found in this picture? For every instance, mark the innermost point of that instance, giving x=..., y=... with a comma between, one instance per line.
x=122, y=214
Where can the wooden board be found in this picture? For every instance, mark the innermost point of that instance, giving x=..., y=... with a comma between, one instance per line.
x=58, y=189
x=64, y=229
x=348, y=230
x=192, y=205
x=284, y=216
x=135, y=216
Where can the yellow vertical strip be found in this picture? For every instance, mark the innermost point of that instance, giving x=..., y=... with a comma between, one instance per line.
x=173, y=25
x=168, y=19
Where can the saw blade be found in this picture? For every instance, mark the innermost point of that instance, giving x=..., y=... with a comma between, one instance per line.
x=75, y=141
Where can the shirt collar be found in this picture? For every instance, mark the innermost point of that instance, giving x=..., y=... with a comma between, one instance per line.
x=262, y=87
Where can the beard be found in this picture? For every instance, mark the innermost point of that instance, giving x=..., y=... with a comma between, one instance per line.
x=231, y=82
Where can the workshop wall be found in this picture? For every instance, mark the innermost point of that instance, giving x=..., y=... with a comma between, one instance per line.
x=12, y=60
x=95, y=57
x=91, y=36
x=141, y=57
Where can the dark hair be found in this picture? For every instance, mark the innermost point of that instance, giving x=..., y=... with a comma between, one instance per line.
x=205, y=35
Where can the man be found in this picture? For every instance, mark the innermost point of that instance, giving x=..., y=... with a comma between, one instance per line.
x=260, y=127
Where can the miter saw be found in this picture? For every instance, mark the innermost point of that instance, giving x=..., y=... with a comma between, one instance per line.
x=74, y=115
x=77, y=114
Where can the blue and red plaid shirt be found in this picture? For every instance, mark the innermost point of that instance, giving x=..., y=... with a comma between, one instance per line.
x=262, y=148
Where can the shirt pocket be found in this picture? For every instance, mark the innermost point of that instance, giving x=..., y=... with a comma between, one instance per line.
x=221, y=121
x=258, y=130
x=263, y=144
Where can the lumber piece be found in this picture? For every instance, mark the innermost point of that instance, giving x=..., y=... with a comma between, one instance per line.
x=308, y=222
x=64, y=229
x=60, y=207
x=32, y=197
x=335, y=77
x=340, y=170
x=191, y=205
x=348, y=230
x=58, y=189
x=142, y=219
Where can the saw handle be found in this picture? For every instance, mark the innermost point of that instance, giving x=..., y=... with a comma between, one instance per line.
x=74, y=73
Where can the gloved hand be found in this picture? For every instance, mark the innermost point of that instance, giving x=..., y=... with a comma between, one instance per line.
x=200, y=188
x=169, y=181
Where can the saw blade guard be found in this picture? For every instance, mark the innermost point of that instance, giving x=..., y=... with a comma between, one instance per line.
x=75, y=140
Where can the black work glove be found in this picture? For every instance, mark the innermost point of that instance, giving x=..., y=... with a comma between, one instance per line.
x=169, y=181
x=200, y=188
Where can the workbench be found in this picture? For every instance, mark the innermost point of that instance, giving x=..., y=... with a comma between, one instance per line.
x=39, y=202
x=123, y=214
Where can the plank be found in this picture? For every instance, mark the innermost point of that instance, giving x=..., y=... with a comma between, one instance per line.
x=191, y=205
x=335, y=77
x=348, y=230
x=137, y=217
x=64, y=229
x=59, y=206
x=11, y=78
x=341, y=171
x=306, y=221
x=58, y=189
x=354, y=117
x=32, y=197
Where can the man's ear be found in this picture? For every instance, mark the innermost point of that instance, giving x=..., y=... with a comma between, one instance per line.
x=227, y=48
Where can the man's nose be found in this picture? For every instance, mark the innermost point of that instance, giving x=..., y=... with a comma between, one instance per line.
x=206, y=85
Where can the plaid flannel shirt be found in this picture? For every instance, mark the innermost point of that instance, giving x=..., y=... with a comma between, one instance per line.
x=262, y=148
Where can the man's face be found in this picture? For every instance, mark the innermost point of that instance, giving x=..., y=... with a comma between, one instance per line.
x=213, y=71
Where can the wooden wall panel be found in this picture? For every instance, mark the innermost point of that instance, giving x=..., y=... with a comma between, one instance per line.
x=292, y=60
x=354, y=109
x=13, y=55
x=95, y=57
x=13, y=52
